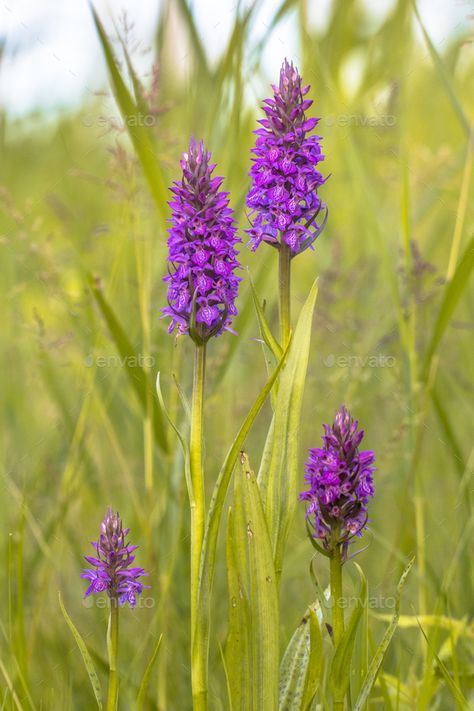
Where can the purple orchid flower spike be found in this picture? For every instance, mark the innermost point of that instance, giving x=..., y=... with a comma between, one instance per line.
x=112, y=570
x=283, y=201
x=202, y=285
x=340, y=484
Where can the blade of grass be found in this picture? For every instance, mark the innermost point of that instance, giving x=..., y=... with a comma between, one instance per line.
x=279, y=481
x=146, y=676
x=301, y=665
x=455, y=691
x=137, y=376
x=265, y=330
x=379, y=655
x=89, y=664
x=238, y=642
x=254, y=558
x=448, y=431
x=340, y=673
x=138, y=132
x=451, y=297
x=196, y=44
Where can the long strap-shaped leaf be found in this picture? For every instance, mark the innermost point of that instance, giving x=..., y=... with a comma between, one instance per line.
x=452, y=295
x=89, y=664
x=239, y=681
x=301, y=666
x=341, y=664
x=141, y=696
x=208, y=555
x=379, y=655
x=253, y=560
x=279, y=476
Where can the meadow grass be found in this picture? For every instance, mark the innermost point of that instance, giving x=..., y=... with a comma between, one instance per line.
x=83, y=242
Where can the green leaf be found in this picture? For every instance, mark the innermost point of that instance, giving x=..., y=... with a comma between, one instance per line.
x=294, y=667
x=146, y=677
x=448, y=432
x=279, y=476
x=182, y=440
x=323, y=595
x=256, y=575
x=138, y=377
x=244, y=322
x=379, y=655
x=196, y=44
x=451, y=297
x=226, y=673
x=340, y=674
x=360, y=655
x=89, y=664
x=208, y=553
x=265, y=330
x=138, y=88
x=315, y=664
x=229, y=68
x=300, y=669
x=455, y=690
x=138, y=132
x=238, y=641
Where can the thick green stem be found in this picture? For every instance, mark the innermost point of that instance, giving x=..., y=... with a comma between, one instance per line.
x=198, y=663
x=112, y=644
x=284, y=272
x=337, y=607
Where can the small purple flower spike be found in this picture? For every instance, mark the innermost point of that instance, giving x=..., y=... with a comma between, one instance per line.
x=112, y=571
x=202, y=286
x=340, y=484
x=283, y=200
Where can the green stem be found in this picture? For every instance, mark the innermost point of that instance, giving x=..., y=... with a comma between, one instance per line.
x=284, y=273
x=198, y=660
x=112, y=644
x=337, y=607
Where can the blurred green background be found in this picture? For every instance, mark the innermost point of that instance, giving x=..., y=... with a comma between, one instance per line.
x=83, y=248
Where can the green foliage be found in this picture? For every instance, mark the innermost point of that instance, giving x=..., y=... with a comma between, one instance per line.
x=391, y=338
x=139, y=378
x=139, y=133
x=379, y=655
x=302, y=663
x=342, y=661
x=89, y=664
x=279, y=475
x=252, y=645
x=145, y=682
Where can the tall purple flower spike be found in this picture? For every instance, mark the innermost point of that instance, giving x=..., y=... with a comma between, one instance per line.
x=112, y=571
x=283, y=201
x=340, y=484
x=202, y=285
